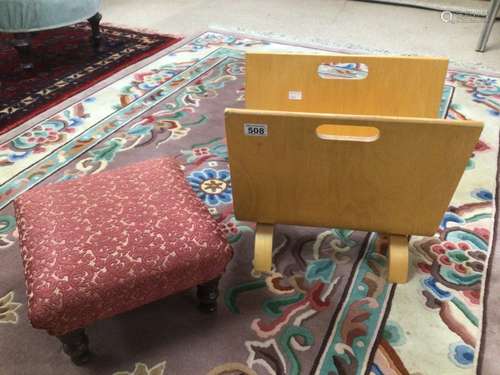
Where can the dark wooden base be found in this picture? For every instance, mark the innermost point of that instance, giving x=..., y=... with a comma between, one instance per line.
x=76, y=345
x=22, y=44
x=207, y=295
x=96, y=30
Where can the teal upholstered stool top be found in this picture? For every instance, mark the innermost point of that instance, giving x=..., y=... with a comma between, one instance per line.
x=33, y=15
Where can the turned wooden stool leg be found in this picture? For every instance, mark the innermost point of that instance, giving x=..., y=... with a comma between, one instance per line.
x=398, y=259
x=96, y=30
x=76, y=345
x=207, y=295
x=22, y=44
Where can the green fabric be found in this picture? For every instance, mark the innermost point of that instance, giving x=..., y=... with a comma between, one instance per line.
x=33, y=15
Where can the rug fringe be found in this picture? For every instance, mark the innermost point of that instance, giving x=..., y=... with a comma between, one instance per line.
x=348, y=48
x=144, y=30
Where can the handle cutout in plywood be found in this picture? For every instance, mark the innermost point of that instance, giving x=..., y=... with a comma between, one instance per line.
x=350, y=133
x=343, y=71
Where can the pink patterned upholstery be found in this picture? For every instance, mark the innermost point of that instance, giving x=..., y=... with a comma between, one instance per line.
x=110, y=242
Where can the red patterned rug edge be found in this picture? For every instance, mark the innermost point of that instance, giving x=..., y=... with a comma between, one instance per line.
x=42, y=108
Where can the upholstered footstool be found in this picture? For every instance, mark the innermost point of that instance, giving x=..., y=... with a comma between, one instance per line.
x=107, y=243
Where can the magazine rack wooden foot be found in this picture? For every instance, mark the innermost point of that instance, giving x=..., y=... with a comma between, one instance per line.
x=345, y=141
x=263, y=247
x=398, y=256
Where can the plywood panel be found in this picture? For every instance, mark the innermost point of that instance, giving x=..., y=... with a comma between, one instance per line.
x=400, y=183
x=394, y=86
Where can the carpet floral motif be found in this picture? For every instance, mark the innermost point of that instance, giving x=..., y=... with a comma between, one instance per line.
x=142, y=369
x=7, y=231
x=8, y=307
x=212, y=186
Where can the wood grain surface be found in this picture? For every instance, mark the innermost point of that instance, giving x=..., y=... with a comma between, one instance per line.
x=399, y=183
x=394, y=86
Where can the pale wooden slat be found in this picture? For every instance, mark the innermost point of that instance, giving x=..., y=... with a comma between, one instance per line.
x=395, y=86
x=399, y=184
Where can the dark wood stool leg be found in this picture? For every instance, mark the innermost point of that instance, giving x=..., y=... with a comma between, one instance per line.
x=207, y=295
x=22, y=43
x=76, y=345
x=96, y=30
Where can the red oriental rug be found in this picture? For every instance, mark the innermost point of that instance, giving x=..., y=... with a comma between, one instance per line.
x=65, y=64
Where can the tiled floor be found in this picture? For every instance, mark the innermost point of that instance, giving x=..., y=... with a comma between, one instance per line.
x=326, y=22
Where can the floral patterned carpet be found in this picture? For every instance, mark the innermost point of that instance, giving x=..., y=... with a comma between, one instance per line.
x=65, y=64
x=325, y=308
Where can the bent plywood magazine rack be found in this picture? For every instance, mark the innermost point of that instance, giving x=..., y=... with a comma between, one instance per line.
x=346, y=142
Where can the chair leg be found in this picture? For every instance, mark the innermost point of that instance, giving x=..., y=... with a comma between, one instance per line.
x=96, y=30
x=207, y=295
x=76, y=345
x=488, y=25
x=22, y=44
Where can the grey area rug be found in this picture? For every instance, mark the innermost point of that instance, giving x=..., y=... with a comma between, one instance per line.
x=325, y=309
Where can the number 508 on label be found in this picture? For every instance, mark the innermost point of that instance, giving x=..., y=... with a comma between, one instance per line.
x=256, y=130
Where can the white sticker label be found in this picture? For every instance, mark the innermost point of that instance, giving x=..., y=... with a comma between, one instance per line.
x=295, y=95
x=256, y=130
